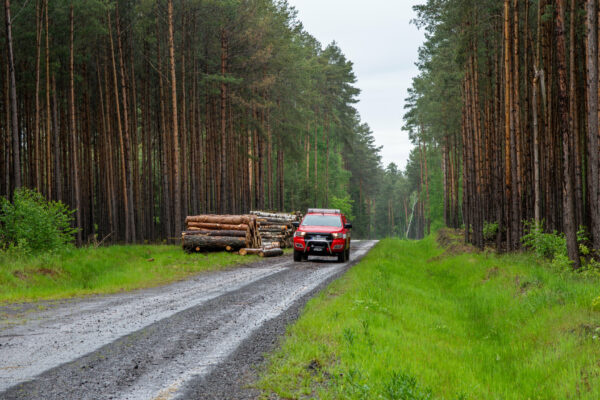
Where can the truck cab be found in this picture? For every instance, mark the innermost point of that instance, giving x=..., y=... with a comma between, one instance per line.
x=322, y=232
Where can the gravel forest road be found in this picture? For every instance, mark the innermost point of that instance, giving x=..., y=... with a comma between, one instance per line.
x=195, y=339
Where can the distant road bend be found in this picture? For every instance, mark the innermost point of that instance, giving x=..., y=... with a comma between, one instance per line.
x=161, y=343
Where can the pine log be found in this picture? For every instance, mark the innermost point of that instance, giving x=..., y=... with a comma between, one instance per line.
x=274, y=228
x=271, y=245
x=275, y=221
x=271, y=253
x=216, y=226
x=274, y=225
x=206, y=243
x=287, y=217
x=221, y=219
x=245, y=252
x=268, y=235
x=211, y=232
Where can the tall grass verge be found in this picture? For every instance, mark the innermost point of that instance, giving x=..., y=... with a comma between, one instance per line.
x=85, y=271
x=410, y=322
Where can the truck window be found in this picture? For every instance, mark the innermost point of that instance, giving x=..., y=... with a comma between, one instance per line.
x=323, y=220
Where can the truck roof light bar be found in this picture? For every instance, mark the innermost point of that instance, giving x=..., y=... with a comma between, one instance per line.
x=324, y=211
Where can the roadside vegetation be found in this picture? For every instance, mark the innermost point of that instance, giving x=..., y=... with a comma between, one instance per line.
x=39, y=262
x=418, y=321
x=84, y=271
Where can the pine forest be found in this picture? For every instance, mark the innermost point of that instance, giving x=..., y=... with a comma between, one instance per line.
x=138, y=113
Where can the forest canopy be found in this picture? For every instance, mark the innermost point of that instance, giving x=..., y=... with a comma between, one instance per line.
x=136, y=113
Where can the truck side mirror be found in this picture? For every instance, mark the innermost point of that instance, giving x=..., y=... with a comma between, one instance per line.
x=348, y=226
x=296, y=224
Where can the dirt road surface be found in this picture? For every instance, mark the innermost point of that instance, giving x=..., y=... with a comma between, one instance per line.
x=196, y=339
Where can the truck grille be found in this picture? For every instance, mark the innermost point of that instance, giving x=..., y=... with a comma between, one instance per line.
x=318, y=236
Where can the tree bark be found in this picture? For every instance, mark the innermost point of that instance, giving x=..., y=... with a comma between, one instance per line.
x=177, y=205
x=38, y=45
x=507, y=123
x=129, y=210
x=223, y=194
x=271, y=253
x=16, y=142
x=48, y=112
x=73, y=129
x=197, y=243
x=126, y=198
x=564, y=118
x=592, y=119
x=166, y=184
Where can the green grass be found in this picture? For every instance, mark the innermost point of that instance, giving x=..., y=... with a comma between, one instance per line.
x=87, y=271
x=407, y=323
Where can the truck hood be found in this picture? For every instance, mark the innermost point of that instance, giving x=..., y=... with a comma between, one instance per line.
x=319, y=229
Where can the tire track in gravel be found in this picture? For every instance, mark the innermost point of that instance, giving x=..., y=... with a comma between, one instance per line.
x=154, y=344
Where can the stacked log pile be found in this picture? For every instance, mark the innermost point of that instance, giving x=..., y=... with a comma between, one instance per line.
x=220, y=232
x=276, y=229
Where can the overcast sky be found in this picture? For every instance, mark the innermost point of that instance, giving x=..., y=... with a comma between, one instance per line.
x=378, y=38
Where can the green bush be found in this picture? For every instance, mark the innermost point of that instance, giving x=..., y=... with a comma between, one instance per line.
x=490, y=229
x=31, y=224
x=552, y=246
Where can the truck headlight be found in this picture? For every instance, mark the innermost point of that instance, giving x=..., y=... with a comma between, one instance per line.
x=336, y=235
x=299, y=234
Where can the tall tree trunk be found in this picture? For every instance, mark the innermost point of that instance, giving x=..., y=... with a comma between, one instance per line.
x=129, y=210
x=38, y=45
x=48, y=112
x=16, y=142
x=177, y=205
x=166, y=184
x=7, y=133
x=223, y=193
x=507, y=124
x=57, y=164
x=73, y=128
x=574, y=119
x=592, y=119
x=126, y=198
x=564, y=118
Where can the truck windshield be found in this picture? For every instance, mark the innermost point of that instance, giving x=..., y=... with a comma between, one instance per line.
x=323, y=220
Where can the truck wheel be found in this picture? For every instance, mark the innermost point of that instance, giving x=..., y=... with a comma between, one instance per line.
x=348, y=255
x=297, y=256
x=342, y=257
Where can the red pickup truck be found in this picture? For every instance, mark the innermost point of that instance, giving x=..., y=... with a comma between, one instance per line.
x=322, y=232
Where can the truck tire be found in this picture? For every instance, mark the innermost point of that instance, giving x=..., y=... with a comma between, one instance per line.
x=297, y=256
x=342, y=256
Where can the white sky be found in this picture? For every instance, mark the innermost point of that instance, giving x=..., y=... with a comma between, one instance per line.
x=376, y=35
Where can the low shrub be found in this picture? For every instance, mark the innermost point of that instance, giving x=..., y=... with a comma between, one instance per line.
x=545, y=245
x=30, y=224
x=490, y=230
